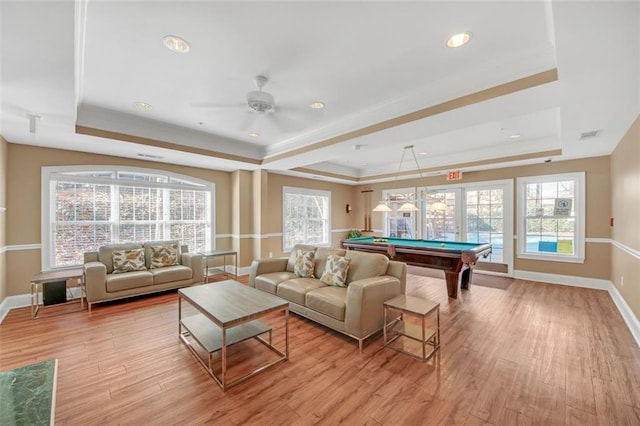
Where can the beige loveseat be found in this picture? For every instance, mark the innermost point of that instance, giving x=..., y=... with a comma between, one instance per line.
x=355, y=310
x=103, y=284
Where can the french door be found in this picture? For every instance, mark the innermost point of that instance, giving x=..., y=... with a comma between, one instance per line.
x=474, y=212
x=442, y=215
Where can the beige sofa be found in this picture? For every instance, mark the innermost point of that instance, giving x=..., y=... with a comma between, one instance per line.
x=355, y=310
x=102, y=284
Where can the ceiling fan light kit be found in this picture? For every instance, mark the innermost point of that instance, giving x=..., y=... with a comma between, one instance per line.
x=258, y=100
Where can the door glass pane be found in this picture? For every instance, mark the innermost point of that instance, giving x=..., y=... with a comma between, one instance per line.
x=485, y=222
x=440, y=216
x=400, y=224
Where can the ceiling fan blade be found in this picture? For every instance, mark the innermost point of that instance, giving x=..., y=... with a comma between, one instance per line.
x=212, y=105
x=248, y=121
x=276, y=119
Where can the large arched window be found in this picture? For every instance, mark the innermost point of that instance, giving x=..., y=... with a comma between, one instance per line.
x=84, y=208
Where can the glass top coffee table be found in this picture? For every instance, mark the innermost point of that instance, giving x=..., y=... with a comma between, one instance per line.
x=226, y=313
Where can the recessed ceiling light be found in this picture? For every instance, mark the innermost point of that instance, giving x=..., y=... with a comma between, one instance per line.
x=422, y=153
x=364, y=164
x=515, y=136
x=176, y=44
x=254, y=134
x=317, y=105
x=143, y=105
x=458, y=40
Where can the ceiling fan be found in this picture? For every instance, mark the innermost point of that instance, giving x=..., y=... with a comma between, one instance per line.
x=284, y=118
x=258, y=100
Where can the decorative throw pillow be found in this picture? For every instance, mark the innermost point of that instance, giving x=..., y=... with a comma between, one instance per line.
x=162, y=256
x=335, y=272
x=128, y=261
x=304, y=264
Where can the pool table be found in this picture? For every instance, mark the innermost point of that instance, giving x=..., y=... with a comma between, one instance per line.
x=456, y=259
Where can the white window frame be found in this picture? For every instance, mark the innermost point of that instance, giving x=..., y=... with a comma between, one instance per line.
x=580, y=217
x=305, y=191
x=47, y=209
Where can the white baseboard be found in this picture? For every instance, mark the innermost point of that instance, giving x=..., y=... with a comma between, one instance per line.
x=11, y=302
x=245, y=270
x=570, y=280
x=627, y=314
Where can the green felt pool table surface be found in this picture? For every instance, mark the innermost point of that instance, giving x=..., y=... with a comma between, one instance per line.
x=431, y=244
x=455, y=258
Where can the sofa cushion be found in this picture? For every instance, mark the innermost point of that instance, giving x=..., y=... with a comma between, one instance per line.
x=294, y=255
x=147, y=249
x=328, y=300
x=163, y=256
x=304, y=263
x=366, y=265
x=135, y=279
x=269, y=282
x=320, y=259
x=335, y=273
x=128, y=261
x=105, y=253
x=171, y=273
x=295, y=289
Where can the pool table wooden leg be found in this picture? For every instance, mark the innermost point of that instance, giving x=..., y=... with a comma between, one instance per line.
x=452, y=283
x=465, y=278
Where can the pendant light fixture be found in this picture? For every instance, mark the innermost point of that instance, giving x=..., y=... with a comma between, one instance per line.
x=408, y=206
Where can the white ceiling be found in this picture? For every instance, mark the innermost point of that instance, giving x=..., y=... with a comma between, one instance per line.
x=85, y=63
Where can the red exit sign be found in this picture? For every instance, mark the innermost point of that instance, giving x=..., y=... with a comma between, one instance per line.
x=455, y=175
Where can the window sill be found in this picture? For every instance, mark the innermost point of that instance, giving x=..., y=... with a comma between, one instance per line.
x=551, y=258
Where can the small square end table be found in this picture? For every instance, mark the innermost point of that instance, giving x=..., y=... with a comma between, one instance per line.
x=396, y=327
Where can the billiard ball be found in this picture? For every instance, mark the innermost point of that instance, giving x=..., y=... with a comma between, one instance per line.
x=441, y=244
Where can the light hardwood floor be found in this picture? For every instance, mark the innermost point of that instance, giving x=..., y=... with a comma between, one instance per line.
x=532, y=354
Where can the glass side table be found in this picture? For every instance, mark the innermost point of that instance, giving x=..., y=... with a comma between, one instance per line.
x=426, y=332
x=213, y=271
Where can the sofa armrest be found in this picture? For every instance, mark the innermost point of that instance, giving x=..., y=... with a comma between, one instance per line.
x=95, y=280
x=195, y=261
x=398, y=270
x=364, y=311
x=265, y=266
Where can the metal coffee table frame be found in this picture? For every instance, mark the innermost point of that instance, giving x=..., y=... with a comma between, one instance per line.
x=228, y=314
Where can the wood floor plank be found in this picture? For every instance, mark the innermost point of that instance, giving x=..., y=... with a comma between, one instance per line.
x=579, y=385
x=493, y=394
x=550, y=406
x=535, y=354
x=521, y=398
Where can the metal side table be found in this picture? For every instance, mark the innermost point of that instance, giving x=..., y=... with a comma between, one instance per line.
x=397, y=328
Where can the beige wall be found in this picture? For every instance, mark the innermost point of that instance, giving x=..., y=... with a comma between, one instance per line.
x=598, y=183
x=341, y=221
x=625, y=207
x=23, y=174
x=3, y=203
x=249, y=204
